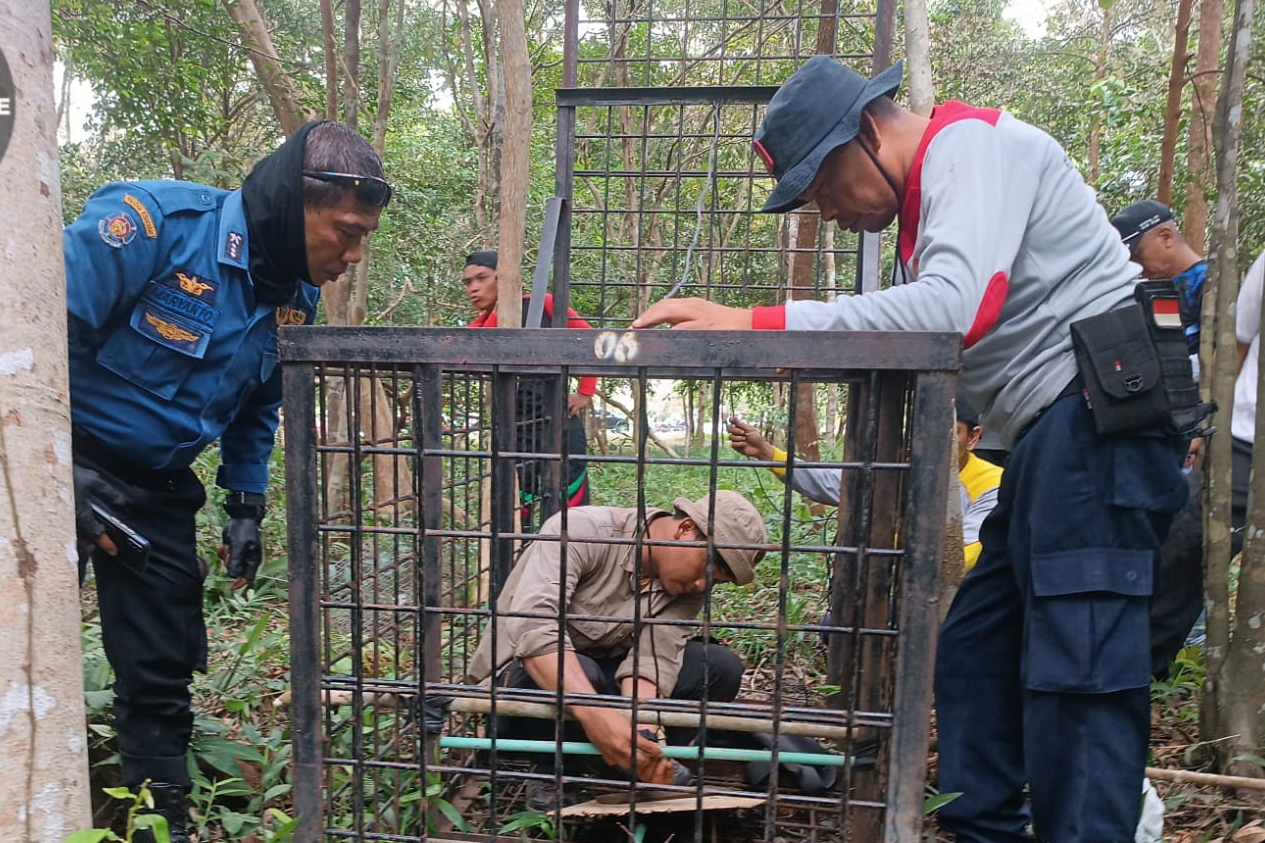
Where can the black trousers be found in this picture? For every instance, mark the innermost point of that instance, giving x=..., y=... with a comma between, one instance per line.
x=151, y=622
x=723, y=668
x=537, y=501
x=1179, y=587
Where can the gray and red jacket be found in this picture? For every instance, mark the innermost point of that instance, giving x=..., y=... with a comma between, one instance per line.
x=1009, y=246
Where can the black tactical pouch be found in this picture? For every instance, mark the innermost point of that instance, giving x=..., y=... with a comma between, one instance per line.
x=1135, y=366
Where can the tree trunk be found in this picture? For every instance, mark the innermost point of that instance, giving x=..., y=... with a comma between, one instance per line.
x=807, y=438
x=492, y=119
x=832, y=389
x=351, y=62
x=1241, y=678
x=331, y=60
x=346, y=302
x=44, y=777
x=281, y=90
x=1203, y=95
x=918, y=58
x=480, y=123
x=1105, y=30
x=1173, y=108
x=515, y=164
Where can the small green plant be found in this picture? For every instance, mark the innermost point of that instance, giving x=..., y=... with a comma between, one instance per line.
x=136, y=821
x=936, y=800
x=530, y=821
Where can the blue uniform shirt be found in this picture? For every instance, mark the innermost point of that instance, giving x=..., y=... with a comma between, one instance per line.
x=168, y=349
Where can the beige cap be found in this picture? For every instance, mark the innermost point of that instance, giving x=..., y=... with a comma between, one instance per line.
x=736, y=521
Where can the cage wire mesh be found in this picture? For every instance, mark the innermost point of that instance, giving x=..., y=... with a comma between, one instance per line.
x=405, y=475
x=658, y=108
x=421, y=463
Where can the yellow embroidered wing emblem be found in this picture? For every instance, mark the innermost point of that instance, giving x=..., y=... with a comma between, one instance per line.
x=169, y=331
x=290, y=316
x=191, y=284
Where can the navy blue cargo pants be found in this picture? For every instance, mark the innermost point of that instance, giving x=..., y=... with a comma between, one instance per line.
x=1042, y=666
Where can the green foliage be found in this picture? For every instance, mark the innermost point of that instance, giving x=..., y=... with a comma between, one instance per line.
x=542, y=824
x=134, y=803
x=936, y=800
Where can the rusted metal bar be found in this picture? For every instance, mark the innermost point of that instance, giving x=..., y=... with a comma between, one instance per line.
x=663, y=354
x=303, y=561
x=917, y=615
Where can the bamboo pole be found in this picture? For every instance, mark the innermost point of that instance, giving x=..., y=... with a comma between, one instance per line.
x=1212, y=779
x=547, y=711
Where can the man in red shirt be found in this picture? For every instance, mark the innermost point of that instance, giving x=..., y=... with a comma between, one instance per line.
x=532, y=414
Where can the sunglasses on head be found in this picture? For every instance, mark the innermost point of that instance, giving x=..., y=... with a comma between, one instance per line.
x=368, y=189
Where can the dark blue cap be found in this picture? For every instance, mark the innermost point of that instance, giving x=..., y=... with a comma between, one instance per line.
x=1139, y=218
x=817, y=109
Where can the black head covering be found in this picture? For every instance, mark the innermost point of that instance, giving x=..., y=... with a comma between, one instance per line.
x=484, y=258
x=273, y=198
x=966, y=412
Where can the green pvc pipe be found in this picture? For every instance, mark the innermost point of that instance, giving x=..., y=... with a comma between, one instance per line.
x=710, y=753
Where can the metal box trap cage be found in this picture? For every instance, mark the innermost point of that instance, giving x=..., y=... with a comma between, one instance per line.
x=406, y=474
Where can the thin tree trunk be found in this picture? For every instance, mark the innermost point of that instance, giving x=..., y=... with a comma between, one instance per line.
x=1241, y=680
x=832, y=389
x=515, y=164
x=493, y=117
x=44, y=777
x=282, y=92
x=351, y=60
x=1105, y=30
x=918, y=58
x=331, y=60
x=1203, y=95
x=1173, y=108
x=480, y=125
x=63, y=102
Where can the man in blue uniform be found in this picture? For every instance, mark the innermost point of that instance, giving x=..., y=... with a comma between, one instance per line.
x=175, y=291
x=1155, y=244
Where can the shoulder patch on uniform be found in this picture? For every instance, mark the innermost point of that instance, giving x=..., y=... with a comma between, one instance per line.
x=117, y=230
x=233, y=245
x=141, y=211
x=287, y=315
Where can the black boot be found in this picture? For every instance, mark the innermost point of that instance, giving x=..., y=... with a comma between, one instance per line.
x=171, y=802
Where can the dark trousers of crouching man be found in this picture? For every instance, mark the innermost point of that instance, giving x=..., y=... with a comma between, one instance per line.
x=616, y=614
x=708, y=671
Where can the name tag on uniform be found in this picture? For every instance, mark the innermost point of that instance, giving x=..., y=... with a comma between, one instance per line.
x=176, y=311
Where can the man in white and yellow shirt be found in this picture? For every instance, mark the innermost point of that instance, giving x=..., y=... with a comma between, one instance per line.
x=978, y=478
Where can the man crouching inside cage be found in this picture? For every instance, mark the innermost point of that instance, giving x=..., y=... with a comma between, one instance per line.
x=655, y=566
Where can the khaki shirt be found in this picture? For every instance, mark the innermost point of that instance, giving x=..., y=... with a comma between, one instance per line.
x=600, y=583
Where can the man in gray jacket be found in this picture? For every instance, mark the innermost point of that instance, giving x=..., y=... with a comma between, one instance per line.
x=1042, y=672
x=602, y=614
